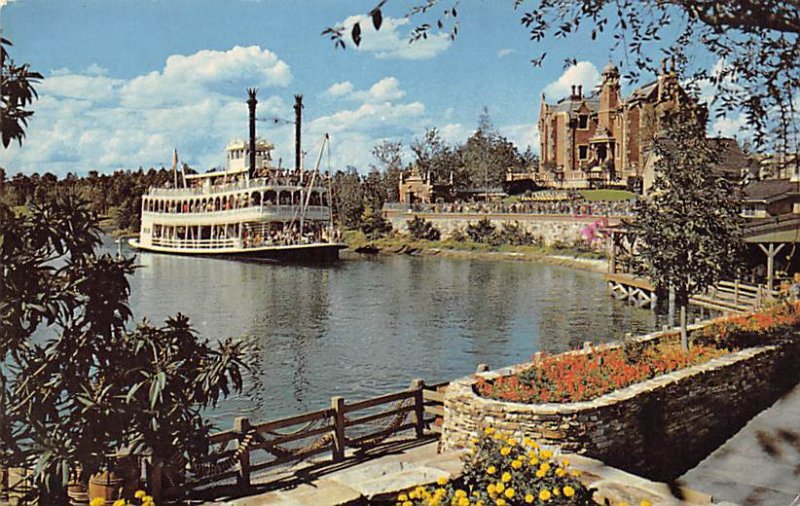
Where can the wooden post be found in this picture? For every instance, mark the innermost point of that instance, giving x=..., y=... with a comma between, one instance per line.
x=337, y=405
x=419, y=407
x=736, y=291
x=612, y=262
x=242, y=425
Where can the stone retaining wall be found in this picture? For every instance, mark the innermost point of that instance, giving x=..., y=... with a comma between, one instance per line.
x=550, y=228
x=659, y=428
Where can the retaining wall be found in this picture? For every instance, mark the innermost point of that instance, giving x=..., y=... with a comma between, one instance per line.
x=550, y=228
x=659, y=428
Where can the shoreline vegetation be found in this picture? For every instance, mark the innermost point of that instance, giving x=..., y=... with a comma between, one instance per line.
x=397, y=244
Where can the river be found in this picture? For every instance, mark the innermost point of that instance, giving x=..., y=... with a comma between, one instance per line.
x=365, y=327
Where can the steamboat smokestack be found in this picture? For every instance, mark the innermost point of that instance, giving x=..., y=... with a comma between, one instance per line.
x=251, y=104
x=298, y=121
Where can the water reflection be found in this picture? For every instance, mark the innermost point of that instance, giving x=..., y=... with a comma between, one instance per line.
x=366, y=327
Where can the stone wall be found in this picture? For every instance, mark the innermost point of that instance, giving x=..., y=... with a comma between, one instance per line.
x=659, y=428
x=550, y=228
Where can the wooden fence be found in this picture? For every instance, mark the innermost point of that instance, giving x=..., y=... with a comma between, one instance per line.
x=247, y=448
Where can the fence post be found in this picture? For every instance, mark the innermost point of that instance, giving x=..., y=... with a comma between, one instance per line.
x=736, y=291
x=419, y=407
x=337, y=404
x=242, y=425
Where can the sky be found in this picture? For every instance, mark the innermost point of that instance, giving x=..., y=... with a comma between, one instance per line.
x=128, y=81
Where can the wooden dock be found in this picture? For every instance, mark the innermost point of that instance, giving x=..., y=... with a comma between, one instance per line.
x=726, y=297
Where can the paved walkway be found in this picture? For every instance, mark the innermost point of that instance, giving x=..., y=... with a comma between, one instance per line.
x=760, y=465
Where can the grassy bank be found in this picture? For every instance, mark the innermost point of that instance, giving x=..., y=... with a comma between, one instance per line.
x=404, y=244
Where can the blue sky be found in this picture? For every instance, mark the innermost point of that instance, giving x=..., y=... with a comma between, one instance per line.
x=129, y=80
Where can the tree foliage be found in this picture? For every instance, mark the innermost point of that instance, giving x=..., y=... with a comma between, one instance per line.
x=17, y=92
x=77, y=384
x=757, y=44
x=689, y=227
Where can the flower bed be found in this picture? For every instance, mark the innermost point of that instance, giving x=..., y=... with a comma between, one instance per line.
x=575, y=377
x=658, y=427
x=506, y=471
x=585, y=376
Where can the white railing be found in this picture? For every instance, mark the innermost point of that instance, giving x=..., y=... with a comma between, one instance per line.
x=245, y=213
x=260, y=184
x=197, y=243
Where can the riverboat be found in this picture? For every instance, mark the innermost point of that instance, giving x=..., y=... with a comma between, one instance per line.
x=255, y=212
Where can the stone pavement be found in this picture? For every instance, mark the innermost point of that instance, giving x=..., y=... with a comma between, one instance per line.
x=379, y=481
x=760, y=465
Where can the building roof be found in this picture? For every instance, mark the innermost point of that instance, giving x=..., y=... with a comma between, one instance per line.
x=769, y=190
x=572, y=105
x=732, y=158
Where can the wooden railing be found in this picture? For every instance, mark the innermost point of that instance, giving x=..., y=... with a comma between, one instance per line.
x=247, y=448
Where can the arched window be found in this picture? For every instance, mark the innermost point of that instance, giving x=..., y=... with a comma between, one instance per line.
x=256, y=199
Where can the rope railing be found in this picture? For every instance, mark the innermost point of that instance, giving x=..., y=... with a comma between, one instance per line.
x=358, y=425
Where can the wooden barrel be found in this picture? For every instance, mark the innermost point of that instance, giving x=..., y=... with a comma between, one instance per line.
x=105, y=485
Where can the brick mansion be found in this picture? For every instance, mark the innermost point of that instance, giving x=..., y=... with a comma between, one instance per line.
x=601, y=139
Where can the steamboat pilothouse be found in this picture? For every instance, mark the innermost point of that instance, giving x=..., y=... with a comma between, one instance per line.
x=249, y=210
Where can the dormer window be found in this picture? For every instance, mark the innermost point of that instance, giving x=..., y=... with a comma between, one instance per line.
x=583, y=121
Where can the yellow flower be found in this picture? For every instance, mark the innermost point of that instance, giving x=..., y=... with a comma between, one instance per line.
x=546, y=454
x=460, y=493
x=509, y=493
x=565, y=463
x=529, y=498
x=491, y=489
x=488, y=431
x=491, y=470
x=645, y=503
x=120, y=502
x=480, y=503
x=147, y=498
x=545, y=467
x=560, y=472
x=569, y=491
x=506, y=477
x=527, y=441
x=504, y=451
x=408, y=503
x=556, y=491
x=474, y=440
x=463, y=501
x=623, y=503
x=139, y=494
x=516, y=464
x=512, y=442
x=501, y=502
x=97, y=501
x=499, y=487
x=534, y=461
x=540, y=473
x=441, y=481
x=402, y=497
x=544, y=495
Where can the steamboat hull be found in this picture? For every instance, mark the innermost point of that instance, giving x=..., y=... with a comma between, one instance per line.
x=295, y=253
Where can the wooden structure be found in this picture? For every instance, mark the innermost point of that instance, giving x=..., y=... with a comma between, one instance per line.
x=248, y=449
x=771, y=235
x=634, y=289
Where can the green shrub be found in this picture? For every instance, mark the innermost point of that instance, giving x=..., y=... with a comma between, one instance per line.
x=374, y=225
x=483, y=232
x=422, y=229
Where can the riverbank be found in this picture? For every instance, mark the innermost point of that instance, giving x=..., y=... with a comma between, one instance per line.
x=359, y=245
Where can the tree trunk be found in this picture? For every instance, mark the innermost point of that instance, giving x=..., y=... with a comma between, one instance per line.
x=684, y=331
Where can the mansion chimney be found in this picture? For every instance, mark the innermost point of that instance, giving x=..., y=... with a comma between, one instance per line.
x=298, y=121
x=251, y=104
x=580, y=91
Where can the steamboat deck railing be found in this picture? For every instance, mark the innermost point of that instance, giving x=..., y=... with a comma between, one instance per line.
x=262, y=212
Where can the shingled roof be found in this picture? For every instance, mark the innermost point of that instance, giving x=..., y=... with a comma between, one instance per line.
x=769, y=190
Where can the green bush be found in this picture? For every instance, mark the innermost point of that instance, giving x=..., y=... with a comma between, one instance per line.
x=514, y=234
x=483, y=232
x=421, y=229
x=374, y=225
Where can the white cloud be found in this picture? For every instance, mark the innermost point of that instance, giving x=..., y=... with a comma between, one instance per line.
x=87, y=120
x=386, y=89
x=582, y=73
x=340, y=89
x=505, y=52
x=391, y=42
x=522, y=135
x=731, y=126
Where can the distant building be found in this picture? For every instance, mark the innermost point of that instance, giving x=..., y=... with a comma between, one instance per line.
x=416, y=188
x=601, y=140
x=770, y=198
